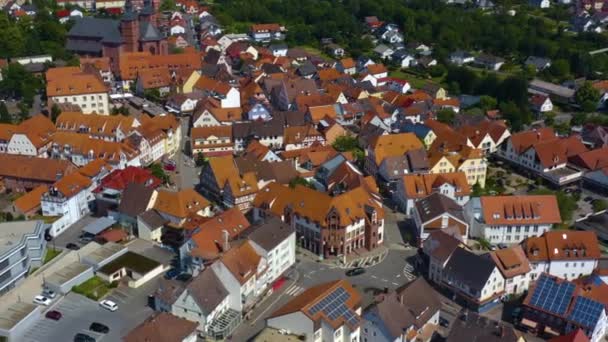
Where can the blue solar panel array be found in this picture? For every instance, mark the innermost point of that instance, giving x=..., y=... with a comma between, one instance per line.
x=333, y=306
x=586, y=312
x=552, y=296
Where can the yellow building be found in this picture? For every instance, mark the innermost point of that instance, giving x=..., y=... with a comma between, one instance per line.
x=468, y=160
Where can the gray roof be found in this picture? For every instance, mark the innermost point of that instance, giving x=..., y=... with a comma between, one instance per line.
x=12, y=234
x=440, y=245
x=135, y=199
x=436, y=204
x=152, y=218
x=207, y=290
x=418, y=160
x=257, y=129
x=270, y=233
x=471, y=327
x=107, y=30
x=99, y=225
x=148, y=33
x=470, y=268
x=538, y=62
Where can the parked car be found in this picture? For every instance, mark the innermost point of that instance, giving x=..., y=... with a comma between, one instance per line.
x=169, y=167
x=172, y=273
x=501, y=246
x=80, y=337
x=72, y=246
x=49, y=293
x=355, y=271
x=108, y=304
x=53, y=314
x=99, y=328
x=42, y=300
x=184, y=277
x=588, y=199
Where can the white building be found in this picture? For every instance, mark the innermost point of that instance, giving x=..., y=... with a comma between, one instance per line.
x=71, y=85
x=511, y=219
x=514, y=267
x=68, y=199
x=563, y=253
x=276, y=242
x=413, y=187
x=330, y=313
x=242, y=271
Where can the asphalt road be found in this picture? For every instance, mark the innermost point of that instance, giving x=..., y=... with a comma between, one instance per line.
x=79, y=312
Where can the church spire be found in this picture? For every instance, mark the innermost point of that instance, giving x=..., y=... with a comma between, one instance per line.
x=129, y=14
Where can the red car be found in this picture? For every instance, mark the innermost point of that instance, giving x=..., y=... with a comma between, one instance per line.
x=54, y=315
x=169, y=167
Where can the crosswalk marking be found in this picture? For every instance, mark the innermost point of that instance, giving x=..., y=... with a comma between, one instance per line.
x=294, y=290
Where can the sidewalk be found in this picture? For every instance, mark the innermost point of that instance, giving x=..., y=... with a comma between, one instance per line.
x=355, y=259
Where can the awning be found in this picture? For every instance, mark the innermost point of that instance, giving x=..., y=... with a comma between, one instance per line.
x=99, y=225
x=529, y=323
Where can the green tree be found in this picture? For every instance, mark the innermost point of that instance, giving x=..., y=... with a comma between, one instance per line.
x=446, y=116
x=566, y=203
x=560, y=69
x=300, y=181
x=345, y=143
x=550, y=119
x=578, y=119
x=599, y=205
x=158, y=171
x=5, y=116
x=55, y=112
x=515, y=116
x=167, y=5
x=487, y=102
x=587, y=97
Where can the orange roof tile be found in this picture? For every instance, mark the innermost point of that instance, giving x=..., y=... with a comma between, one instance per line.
x=181, y=203
x=511, y=261
x=72, y=184
x=422, y=185
x=70, y=81
x=208, y=241
x=523, y=209
x=31, y=200
x=392, y=145
x=562, y=245
x=242, y=261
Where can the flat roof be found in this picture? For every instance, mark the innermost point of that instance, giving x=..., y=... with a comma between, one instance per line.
x=12, y=233
x=67, y=273
x=132, y=261
x=105, y=251
x=273, y=335
x=12, y=315
x=99, y=225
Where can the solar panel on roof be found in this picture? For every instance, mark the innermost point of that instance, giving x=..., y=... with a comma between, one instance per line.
x=586, y=312
x=551, y=296
x=333, y=306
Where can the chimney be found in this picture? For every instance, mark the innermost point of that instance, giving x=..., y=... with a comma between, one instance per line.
x=225, y=243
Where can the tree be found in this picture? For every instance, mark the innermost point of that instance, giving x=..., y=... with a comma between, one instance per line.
x=5, y=116
x=157, y=171
x=587, y=97
x=345, y=143
x=515, y=116
x=566, y=203
x=55, y=112
x=200, y=160
x=167, y=5
x=560, y=69
x=550, y=119
x=599, y=205
x=300, y=181
x=578, y=119
x=487, y=102
x=446, y=116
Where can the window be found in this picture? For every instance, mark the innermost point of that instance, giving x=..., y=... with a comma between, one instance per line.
x=566, y=264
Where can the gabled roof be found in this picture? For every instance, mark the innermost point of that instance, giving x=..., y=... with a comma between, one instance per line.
x=511, y=261
x=562, y=245
x=209, y=240
x=270, y=233
x=242, y=261
x=422, y=185
x=71, y=184
x=30, y=200
x=162, y=327
x=181, y=203
x=135, y=199
x=121, y=178
x=521, y=209
x=440, y=245
x=307, y=300
x=437, y=204
x=523, y=140
x=207, y=291
x=35, y=169
x=472, y=269
x=393, y=145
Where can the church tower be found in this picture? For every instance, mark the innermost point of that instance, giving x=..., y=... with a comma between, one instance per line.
x=129, y=28
x=148, y=13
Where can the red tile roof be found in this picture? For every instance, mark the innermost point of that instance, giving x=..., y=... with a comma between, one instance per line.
x=119, y=179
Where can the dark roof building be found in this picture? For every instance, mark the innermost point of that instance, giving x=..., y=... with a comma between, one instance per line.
x=471, y=327
x=135, y=199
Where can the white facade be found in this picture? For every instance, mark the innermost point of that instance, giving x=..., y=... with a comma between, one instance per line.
x=20, y=144
x=69, y=209
x=186, y=307
x=299, y=324
x=232, y=99
x=241, y=294
x=566, y=269
x=280, y=259
x=406, y=203
x=89, y=103
x=517, y=284
x=206, y=119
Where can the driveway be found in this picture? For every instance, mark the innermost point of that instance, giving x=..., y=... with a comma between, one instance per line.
x=72, y=233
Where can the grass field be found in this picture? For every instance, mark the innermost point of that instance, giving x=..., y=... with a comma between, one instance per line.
x=51, y=254
x=94, y=288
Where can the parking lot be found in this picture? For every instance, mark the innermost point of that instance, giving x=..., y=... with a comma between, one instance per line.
x=79, y=312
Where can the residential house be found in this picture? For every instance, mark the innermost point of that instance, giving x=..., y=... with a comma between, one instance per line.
x=459, y=157
x=71, y=85
x=28, y=205
x=461, y=57
x=68, y=199
x=325, y=225
x=558, y=93
x=335, y=50
x=486, y=135
x=556, y=307
x=347, y=66
x=514, y=267
x=541, y=103
x=437, y=250
x=310, y=313
x=413, y=187
x=473, y=279
x=489, y=62
x=540, y=3
x=81, y=149
x=276, y=242
x=511, y=219
x=177, y=206
x=561, y=253
x=203, y=300
x=163, y=327
x=267, y=32
x=404, y=58
x=31, y=137
x=541, y=153
x=221, y=180
x=113, y=185
x=105, y=127
x=406, y=314
x=150, y=226
x=243, y=272
x=211, y=140
x=538, y=63
x=298, y=137
x=383, y=147
x=383, y=51
x=224, y=93
x=21, y=173
x=278, y=50
x=439, y=212
x=472, y=326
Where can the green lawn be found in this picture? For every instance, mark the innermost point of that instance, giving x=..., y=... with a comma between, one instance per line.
x=415, y=81
x=94, y=288
x=51, y=254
